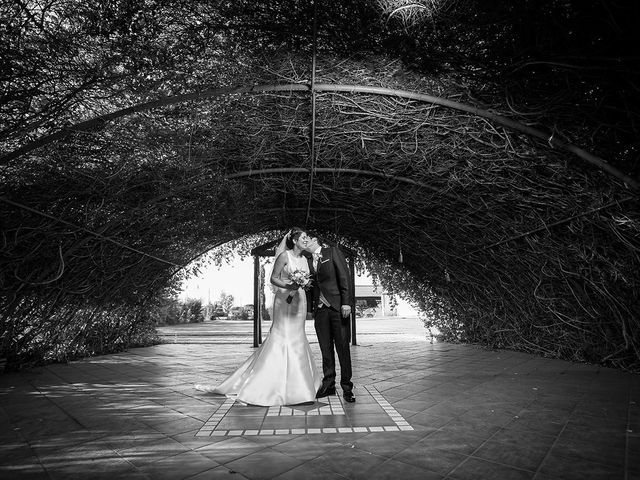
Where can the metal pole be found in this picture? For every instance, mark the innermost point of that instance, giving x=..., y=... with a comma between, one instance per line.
x=256, y=301
x=312, y=133
x=261, y=297
x=353, y=301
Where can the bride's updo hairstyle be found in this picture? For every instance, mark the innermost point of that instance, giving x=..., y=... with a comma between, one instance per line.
x=293, y=236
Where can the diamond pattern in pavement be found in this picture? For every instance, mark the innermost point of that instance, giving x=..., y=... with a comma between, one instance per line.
x=375, y=415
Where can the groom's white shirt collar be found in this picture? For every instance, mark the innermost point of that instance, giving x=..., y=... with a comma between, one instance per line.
x=317, y=250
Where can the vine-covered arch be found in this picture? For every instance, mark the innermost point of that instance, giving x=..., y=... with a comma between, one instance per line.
x=121, y=163
x=510, y=123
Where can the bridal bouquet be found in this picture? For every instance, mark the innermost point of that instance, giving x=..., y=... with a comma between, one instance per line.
x=300, y=278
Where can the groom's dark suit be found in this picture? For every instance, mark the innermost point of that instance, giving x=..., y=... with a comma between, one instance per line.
x=332, y=280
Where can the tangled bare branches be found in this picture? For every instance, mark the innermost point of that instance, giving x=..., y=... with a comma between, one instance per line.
x=506, y=240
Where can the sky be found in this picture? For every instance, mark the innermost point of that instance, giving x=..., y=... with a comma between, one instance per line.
x=234, y=279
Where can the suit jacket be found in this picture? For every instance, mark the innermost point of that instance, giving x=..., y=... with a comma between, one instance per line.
x=332, y=278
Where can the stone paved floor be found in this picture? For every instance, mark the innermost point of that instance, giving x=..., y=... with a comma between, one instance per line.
x=470, y=413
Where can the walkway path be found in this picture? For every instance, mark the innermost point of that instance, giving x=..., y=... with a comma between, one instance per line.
x=370, y=329
x=423, y=411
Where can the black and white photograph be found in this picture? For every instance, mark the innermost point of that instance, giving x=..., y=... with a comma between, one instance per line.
x=320, y=240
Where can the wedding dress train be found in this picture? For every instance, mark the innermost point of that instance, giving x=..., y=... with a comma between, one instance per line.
x=282, y=371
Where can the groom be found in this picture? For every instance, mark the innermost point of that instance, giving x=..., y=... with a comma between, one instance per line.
x=332, y=297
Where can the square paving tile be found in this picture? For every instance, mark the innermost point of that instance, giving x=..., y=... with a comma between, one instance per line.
x=566, y=468
x=285, y=422
x=428, y=420
x=526, y=456
x=309, y=446
x=229, y=449
x=264, y=464
x=394, y=470
x=309, y=472
x=428, y=458
x=180, y=466
x=474, y=468
x=390, y=443
x=611, y=452
x=218, y=473
x=149, y=452
x=457, y=442
x=342, y=461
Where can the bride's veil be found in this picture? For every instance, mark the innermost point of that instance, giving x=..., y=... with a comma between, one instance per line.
x=282, y=246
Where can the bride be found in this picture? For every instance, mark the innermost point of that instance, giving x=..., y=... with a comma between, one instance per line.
x=282, y=370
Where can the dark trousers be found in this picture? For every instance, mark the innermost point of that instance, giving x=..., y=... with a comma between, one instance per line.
x=333, y=330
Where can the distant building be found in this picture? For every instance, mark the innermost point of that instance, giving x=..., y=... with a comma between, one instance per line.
x=373, y=301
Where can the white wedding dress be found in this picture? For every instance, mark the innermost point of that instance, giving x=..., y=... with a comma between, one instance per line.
x=282, y=371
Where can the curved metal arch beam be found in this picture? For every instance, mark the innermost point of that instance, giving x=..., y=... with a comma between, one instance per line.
x=265, y=211
x=352, y=171
x=271, y=171
x=324, y=87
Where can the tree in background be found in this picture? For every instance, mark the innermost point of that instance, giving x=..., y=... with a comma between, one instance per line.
x=208, y=311
x=226, y=301
x=172, y=311
x=192, y=311
x=167, y=312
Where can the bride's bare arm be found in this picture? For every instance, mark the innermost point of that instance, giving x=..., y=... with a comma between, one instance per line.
x=281, y=261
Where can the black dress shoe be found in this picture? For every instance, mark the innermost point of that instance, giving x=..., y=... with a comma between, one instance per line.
x=348, y=396
x=325, y=392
